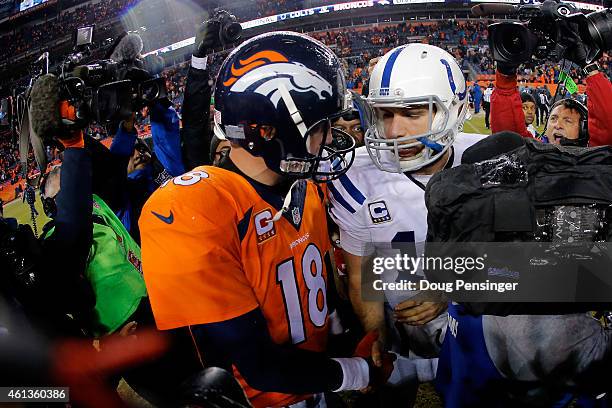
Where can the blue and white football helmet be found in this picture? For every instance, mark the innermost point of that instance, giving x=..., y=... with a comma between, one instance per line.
x=408, y=76
x=275, y=91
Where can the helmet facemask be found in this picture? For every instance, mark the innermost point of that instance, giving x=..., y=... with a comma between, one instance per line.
x=386, y=152
x=320, y=160
x=330, y=152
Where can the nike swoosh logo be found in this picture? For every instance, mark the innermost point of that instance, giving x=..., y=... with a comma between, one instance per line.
x=168, y=220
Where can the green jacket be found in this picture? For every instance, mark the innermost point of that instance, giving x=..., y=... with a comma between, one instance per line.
x=114, y=270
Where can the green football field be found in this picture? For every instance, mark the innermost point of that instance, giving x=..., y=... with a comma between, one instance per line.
x=476, y=125
x=21, y=211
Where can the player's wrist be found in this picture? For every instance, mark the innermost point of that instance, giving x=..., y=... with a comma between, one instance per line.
x=75, y=140
x=503, y=81
x=355, y=373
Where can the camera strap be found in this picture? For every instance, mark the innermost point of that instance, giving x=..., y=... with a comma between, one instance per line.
x=27, y=136
x=24, y=140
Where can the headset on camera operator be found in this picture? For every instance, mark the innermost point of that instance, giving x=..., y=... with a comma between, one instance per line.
x=221, y=29
x=578, y=38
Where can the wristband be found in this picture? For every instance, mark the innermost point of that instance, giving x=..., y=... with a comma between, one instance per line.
x=593, y=66
x=355, y=373
x=199, y=63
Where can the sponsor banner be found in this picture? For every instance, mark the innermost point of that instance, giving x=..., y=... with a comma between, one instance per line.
x=352, y=5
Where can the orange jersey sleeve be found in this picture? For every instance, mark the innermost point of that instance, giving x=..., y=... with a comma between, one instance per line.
x=191, y=253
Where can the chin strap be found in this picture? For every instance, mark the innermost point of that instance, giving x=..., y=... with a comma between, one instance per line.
x=431, y=144
x=286, y=203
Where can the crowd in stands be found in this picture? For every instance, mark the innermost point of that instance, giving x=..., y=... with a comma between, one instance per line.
x=175, y=84
x=466, y=40
x=9, y=160
x=10, y=166
x=20, y=39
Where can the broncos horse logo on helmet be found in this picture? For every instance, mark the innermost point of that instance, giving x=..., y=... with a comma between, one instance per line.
x=274, y=93
x=294, y=77
x=254, y=61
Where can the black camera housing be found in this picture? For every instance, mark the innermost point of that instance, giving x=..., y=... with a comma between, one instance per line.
x=230, y=30
x=20, y=262
x=108, y=91
x=115, y=101
x=541, y=33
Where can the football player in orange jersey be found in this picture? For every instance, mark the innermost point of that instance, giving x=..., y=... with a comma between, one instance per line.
x=240, y=254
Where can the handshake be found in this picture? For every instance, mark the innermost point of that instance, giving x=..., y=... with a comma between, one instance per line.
x=380, y=363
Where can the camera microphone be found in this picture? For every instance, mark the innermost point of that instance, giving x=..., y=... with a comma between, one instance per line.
x=44, y=107
x=127, y=48
x=487, y=9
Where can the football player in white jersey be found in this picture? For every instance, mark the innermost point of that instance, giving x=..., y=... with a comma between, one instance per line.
x=418, y=96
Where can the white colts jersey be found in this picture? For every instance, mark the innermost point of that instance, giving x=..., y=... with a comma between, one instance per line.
x=373, y=207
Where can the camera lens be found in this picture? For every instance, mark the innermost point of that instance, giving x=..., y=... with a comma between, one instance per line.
x=600, y=29
x=513, y=44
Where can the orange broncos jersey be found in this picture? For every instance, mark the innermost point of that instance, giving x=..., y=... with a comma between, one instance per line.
x=210, y=253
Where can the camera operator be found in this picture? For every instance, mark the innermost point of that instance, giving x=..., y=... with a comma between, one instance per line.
x=103, y=251
x=567, y=124
x=108, y=261
x=566, y=117
x=220, y=29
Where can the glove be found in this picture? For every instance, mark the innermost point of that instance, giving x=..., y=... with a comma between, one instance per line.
x=378, y=375
x=71, y=138
x=507, y=68
x=207, y=38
